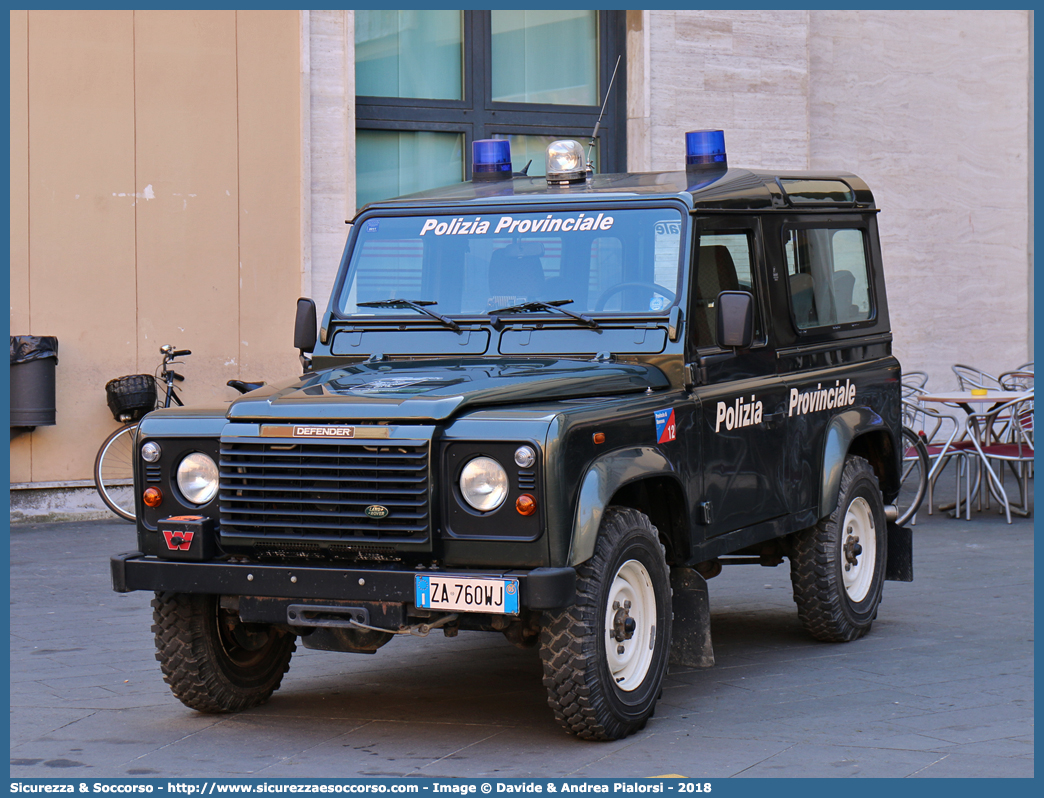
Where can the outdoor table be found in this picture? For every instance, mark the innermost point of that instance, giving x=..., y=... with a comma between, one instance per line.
x=964, y=400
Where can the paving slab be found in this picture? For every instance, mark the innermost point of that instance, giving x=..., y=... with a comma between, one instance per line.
x=941, y=687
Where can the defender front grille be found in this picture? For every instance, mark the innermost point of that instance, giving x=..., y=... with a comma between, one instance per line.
x=320, y=491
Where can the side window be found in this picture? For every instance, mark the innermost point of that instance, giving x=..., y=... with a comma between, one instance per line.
x=827, y=276
x=724, y=264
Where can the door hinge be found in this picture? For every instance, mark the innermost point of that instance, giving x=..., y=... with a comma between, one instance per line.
x=705, y=513
x=695, y=374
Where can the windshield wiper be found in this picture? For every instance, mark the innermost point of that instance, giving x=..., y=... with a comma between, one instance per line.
x=414, y=304
x=555, y=305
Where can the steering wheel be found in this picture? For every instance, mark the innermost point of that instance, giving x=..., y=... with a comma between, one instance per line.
x=616, y=289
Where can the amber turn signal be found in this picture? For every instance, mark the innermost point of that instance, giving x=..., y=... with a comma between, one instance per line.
x=525, y=504
x=152, y=497
x=599, y=437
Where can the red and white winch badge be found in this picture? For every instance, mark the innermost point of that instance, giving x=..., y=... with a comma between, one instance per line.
x=178, y=541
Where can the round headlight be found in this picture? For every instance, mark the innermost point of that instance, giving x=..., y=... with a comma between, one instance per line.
x=150, y=452
x=484, y=484
x=525, y=456
x=198, y=478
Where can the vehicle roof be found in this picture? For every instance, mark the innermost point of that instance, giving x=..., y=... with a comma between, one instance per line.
x=732, y=189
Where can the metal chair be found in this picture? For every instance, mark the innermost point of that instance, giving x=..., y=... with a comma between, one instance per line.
x=942, y=445
x=969, y=377
x=913, y=383
x=1006, y=435
x=1018, y=380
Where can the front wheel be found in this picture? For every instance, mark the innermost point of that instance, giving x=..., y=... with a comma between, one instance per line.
x=837, y=566
x=605, y=657
x=114, y=471
x=213, y=661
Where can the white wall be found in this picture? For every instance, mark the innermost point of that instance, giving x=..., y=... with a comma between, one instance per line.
x=931, y=108
x=745, y=72
x=328, y=40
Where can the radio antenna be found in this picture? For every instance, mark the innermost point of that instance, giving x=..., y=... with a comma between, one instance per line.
x=594, y=133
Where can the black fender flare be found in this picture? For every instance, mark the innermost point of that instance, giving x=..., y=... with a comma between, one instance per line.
x=842, y=430
x=604, y=477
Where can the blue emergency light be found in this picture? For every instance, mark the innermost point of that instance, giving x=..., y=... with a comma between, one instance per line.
x=705, y=148
x=491, y=159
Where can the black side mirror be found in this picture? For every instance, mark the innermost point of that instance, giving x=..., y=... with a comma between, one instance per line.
x=304, y=325
x=735, y=319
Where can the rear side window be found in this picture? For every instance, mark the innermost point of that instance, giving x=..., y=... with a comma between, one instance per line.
x=828, y=276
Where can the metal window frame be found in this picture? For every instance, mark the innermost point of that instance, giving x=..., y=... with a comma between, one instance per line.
x=478, y=117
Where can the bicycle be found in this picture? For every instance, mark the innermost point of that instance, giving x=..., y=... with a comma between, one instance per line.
x=913, y=475
x=130, y=398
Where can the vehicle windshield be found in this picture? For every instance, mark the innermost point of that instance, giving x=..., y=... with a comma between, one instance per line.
x=605, y=260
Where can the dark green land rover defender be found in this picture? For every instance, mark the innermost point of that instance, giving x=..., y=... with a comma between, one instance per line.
x=550, y=407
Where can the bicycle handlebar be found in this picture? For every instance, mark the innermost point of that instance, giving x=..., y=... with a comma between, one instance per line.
x=181, y=352
x=177, y=376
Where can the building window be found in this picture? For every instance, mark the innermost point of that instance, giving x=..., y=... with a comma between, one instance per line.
x=394, y=162
x=429, y=83
x=545, y=57
x=409, y=54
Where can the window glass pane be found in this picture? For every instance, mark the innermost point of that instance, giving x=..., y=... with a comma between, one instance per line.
x=851, y=287
x=545, y=57
x=619, y=260
x=389, y=163
x=524, y=148
x=409, y=54
x=805, y=192
x=828, y=277
x=724, y=265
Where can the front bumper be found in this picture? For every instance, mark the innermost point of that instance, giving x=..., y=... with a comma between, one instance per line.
x=539, y=589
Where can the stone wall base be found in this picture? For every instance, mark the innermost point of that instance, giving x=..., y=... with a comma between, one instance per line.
x=49, y=502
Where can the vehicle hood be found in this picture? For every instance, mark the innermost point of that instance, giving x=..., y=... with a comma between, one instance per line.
x=434, y=391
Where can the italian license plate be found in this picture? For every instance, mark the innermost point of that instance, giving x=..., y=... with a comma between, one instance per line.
x=467, y=594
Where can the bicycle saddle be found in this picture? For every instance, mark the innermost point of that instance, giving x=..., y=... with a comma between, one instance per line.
x=244, y=387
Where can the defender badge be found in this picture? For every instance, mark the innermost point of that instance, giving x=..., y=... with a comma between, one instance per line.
x=302, y=431
x=376, y=511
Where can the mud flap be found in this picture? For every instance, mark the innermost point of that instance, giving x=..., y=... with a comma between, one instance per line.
x=899, y=567
x=690, y=632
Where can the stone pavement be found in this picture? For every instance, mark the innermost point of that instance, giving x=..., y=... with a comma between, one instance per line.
x=941, y=687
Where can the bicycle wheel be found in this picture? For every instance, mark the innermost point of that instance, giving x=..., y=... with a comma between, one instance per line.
x=915, y=467
x=114, y=471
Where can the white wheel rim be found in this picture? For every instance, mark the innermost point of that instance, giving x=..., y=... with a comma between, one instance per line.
x=631, y=596
x=858, y=549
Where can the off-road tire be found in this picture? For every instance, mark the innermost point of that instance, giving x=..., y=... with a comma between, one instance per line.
x=828, y=609
x=207, y=667
x=581, y=689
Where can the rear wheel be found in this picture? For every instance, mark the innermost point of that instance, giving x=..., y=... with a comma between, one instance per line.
x=605, y=657
x=213, y=661
x=837, y=566
x=114, y=471
x=915, y=467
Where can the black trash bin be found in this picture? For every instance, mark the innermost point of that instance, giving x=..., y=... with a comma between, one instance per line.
x=33, y=358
